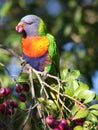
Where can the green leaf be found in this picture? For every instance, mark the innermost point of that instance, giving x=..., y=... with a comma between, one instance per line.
x=88, y=125
x=51, y=105
x=83, y=85
x=87, y=95
x=68, y=29
x=24, y=77
x=75, y=84
x=22, y=105
x=64, y=73
x=80, y=88
x=95, y=106
x=78, y=128
x=95, y=112
x=5, y=8
x=67, y=91
x=96, y=97
x=81, y=114
x=70, y=87
x=4, y=80
x=74, y=74
x=92, y=117
x=41, y=99
x=70, y=76
x=72, y=3
x=75, y=109
x=78, y=14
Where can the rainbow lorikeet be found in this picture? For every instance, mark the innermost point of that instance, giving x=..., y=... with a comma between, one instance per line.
x=38, y=46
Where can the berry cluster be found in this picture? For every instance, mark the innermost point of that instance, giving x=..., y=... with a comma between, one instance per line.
x=62, y=124
x=4, y=91
x=57, y=124
x=7, y=105
x=21, y=89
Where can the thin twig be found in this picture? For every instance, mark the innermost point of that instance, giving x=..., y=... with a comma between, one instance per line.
x=31, y=81
x=63, y=95
x=41, y=82
x=51, y=76
x=59, y=84
x=58, y=98
x=62, y=103
x=42, y=117
x=29, y=112
x=33, y=93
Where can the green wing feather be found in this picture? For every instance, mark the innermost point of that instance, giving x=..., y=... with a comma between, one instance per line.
x=42, y=28
x=53, y=67
x=53, y=53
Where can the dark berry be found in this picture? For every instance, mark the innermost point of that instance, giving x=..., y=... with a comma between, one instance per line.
x=79, y=121
x=62, y=124
x=71, y=118
x=56, y=124
x=2, y=90
x=22, y=97
x=8, y=101
x=11, y=103
x=14, y=104
x=18, y=88
x=2, y=107
x=6, y=107
x=10, y=111
x=50, y=120
x=68, y=127
x=56, y=128
x=61, y=127
x=7, y=91
x=25, y=87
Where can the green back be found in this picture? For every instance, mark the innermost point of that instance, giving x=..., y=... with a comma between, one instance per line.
x=54, y=54
x=52, y=49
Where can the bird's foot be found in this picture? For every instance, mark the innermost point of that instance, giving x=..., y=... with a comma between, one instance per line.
x=44, y=74
x=23, y=63
x=25, y=66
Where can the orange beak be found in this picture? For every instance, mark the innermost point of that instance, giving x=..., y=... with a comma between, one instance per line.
x=20, y=27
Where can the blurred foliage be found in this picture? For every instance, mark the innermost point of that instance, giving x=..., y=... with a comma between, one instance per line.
x=70, y=99
x=70, y=21
x=74, y=25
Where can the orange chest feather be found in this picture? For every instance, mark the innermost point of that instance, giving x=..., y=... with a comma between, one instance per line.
x=35, y=46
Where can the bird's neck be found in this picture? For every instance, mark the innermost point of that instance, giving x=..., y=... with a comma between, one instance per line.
x=25, y=35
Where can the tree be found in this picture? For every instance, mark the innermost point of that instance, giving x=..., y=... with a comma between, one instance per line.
x=27, y=102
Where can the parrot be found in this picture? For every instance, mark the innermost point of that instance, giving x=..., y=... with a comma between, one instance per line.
x=39, y=48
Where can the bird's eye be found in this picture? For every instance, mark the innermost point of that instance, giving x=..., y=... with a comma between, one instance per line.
x=29, y=23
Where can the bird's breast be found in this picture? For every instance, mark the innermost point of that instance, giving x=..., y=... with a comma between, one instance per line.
x=35, y=46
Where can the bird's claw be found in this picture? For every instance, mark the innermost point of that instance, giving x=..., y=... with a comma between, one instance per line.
x=44, y=74
x=23, y=63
